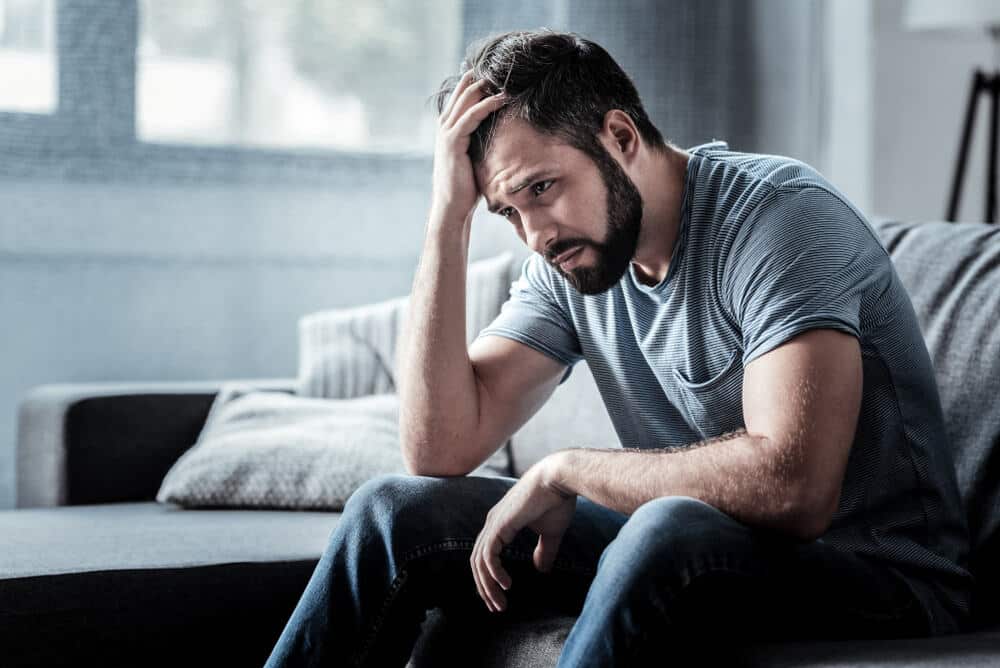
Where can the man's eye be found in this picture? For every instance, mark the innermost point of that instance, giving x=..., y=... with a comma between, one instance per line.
x=541, y=187
x=506, y=212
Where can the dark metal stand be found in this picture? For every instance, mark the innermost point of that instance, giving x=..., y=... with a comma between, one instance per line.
x=990, y=85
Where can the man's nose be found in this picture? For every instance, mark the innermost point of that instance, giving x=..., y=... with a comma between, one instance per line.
x=540, y=232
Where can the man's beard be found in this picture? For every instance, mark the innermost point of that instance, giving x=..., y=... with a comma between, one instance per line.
x=624, y=204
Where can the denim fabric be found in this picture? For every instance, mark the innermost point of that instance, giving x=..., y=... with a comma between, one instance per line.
x=646, y=587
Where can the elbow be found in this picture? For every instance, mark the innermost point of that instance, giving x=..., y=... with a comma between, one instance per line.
x=809, y=527
x=810, y=515
x=431, y=469
x=420, y=458
x=429, y=451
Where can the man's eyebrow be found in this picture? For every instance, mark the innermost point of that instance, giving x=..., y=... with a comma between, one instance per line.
x=528, y=180
x=525, y=182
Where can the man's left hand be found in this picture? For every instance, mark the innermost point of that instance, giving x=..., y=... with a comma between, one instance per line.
x=532, y=503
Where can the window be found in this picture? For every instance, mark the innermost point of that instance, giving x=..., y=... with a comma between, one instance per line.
x=335, y=74
x=291, y=91
x=28, y=80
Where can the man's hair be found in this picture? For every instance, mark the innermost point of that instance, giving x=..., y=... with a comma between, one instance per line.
x=560, y=83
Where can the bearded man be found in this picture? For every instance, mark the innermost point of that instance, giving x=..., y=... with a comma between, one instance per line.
x=783, y=469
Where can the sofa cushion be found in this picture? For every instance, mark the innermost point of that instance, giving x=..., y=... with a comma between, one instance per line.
x=150, y=584
x=952, y=273
x=273, y=450
x=122, y=536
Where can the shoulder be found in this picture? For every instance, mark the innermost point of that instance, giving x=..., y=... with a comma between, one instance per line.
x=807, y=210
x=802, y=230
x=717, y=161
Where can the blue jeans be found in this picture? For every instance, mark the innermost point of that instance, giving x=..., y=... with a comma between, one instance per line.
x=676, y=576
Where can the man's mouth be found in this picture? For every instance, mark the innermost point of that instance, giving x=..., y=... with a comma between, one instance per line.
x=564, y=257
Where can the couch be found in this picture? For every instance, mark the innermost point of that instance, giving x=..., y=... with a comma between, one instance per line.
x=95, y=572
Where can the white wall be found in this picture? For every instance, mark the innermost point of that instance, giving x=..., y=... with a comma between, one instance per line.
x=921, y=83
x=894, y=103
x=847, y=120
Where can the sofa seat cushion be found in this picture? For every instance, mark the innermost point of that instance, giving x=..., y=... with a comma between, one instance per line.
x=537, y=642
x=148, y=535
x=151, y=584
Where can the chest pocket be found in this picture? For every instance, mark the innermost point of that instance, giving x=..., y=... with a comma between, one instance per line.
x=714, y=406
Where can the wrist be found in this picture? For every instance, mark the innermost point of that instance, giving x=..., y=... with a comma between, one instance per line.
x=449, y=216
x=553, y=472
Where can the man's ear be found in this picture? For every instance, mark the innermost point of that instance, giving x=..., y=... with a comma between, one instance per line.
x=619, y=135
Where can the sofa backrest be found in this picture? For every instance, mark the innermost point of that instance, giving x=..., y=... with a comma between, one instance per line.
x=573, y=417
x=351, y=352
x=952, y=273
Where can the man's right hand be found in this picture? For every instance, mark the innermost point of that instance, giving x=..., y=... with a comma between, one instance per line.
x=455, y=192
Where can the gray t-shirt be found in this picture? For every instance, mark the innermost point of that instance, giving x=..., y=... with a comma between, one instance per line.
x=766, y=250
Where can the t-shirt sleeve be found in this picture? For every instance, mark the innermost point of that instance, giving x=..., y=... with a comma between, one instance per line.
x=533, y=316
x=804, y=259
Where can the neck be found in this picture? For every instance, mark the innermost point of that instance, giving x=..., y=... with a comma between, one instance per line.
x=661, y=184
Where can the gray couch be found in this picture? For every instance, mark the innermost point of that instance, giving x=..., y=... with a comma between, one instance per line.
x=94, y=572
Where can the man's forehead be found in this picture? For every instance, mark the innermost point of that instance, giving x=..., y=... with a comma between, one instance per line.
x=516, y=149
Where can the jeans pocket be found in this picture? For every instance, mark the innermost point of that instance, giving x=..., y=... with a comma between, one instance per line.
x=715, y=405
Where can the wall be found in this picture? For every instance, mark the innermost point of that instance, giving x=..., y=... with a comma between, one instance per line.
x=847, y=121
x=159, y=282
x=921, y=83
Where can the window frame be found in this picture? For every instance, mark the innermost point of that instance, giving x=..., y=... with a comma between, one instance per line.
x=92, y=135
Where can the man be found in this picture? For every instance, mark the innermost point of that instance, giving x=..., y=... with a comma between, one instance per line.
x=785, y=470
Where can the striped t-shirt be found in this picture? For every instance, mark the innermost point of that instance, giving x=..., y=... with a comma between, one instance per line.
x=766, y=250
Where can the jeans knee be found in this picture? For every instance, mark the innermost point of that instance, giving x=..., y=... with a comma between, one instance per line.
x=422, y=508
x=677, y=518
x=389, y=499
x=670, y=530
x=664, y=544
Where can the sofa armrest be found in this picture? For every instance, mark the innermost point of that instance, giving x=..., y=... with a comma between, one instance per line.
x=105, y=442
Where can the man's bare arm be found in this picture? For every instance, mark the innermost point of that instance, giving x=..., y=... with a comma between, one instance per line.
x=457, y=406
x=784, y=471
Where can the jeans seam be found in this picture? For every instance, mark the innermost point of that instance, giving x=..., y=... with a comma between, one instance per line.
x=561, y=565
x=423, y=550
x=397, y=585
x=450, y=544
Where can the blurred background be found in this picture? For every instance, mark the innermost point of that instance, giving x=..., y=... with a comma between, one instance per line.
x=181, y=180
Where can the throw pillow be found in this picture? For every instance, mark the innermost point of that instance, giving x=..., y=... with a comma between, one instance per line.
x=275, y=450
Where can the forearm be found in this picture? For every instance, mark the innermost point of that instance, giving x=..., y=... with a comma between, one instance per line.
x=739, y=473
x=438, y=397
